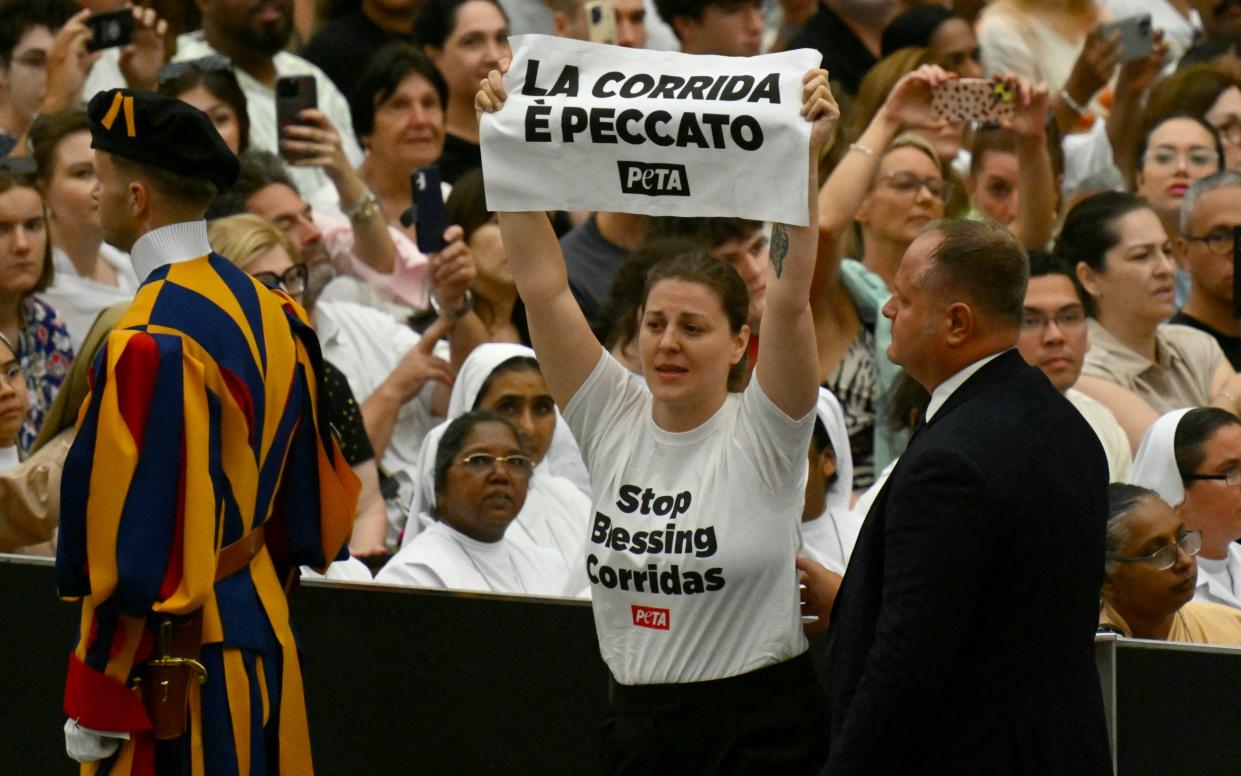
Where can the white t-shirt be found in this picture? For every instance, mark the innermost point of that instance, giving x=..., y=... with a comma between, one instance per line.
x=366, y=344
x=1105, y=426
x=442, y=557
x=729, y=496
x=829, y=538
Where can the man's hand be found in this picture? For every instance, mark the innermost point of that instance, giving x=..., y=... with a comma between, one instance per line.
x=316, y=143
x=68, y=63
x=1094, y=66
x=419, y=366
x=452, y=270
x=141, y=60
x=1140, y=74
x=87, y=746
x=818, y=593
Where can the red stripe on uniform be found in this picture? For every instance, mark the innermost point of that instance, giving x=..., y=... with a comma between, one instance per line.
x=135, y=382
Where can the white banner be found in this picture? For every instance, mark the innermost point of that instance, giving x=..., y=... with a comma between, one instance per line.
x=594, y=127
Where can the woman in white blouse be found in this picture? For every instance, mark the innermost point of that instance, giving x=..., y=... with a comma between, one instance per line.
x=90, y=274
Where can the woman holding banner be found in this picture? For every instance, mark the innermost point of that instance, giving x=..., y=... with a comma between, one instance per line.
x=698, y=492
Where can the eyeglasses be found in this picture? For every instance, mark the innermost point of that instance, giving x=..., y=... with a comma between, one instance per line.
x=1231, y=478
x=907, y=184
x=482, y=463
x=1218, y=241
x=214, y=63
x=1164, y=558
x=1230, y=130
x=1066, y=320
x=1165, y=156
x=292, y=282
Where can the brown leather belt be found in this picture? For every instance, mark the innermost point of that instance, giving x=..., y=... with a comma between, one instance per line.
x=238, y=555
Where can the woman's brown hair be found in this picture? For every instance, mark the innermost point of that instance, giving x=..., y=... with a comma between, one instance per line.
x=719, y=278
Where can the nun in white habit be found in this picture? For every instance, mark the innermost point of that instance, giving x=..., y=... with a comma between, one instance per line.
x=466, y=546
x=1155, y=467
x=829, y=530
x=556, y=513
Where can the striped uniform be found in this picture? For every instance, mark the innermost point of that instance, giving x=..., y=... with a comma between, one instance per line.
x=202, y=423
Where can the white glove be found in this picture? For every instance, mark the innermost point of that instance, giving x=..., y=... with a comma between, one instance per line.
x=86, y=745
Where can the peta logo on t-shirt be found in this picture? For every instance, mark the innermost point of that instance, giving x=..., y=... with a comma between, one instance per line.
x=650, y=617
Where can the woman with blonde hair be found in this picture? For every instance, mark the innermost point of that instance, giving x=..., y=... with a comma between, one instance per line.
x=257, y=246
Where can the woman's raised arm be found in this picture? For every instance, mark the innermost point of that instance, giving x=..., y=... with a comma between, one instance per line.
x=787, y=365
x=562, y=339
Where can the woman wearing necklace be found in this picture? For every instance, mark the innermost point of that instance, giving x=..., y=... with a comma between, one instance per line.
x=481, y=476
x=1151, y=574
x=698, y=492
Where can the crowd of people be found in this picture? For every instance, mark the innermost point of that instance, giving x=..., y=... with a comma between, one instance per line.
x=533, y=408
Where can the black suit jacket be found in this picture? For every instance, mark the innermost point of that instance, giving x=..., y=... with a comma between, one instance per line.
x=962, y=638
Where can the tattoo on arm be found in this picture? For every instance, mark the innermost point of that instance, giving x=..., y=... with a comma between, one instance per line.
x=779, y=248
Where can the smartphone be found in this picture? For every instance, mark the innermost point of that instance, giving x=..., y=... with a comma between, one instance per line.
x=115, y=28
x=428, y=210
x=294, y=93
x=1135, y=36
x=601, y=22
x=973, y=99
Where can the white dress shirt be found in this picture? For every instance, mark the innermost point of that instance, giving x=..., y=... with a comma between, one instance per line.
x=949, y=386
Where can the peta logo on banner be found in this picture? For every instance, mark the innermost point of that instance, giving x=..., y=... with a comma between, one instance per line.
x=653, y=180
x=650, y=617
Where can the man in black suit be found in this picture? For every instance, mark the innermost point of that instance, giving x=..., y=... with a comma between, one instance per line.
x=961, y=640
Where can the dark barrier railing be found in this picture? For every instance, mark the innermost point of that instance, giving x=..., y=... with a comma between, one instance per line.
x=397, y=681
x=408, y=681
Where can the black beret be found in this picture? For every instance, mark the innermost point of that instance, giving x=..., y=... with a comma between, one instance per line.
x=162, y=132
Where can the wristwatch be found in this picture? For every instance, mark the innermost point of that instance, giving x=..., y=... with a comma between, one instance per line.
x=364, y=209
x=467, y=304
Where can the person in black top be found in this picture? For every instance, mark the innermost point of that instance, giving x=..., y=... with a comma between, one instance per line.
x=847, y=32
x=345, y=42
x=1211, y=209
x=466, y=39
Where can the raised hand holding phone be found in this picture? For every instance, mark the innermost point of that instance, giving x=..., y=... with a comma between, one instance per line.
x=294, y=93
